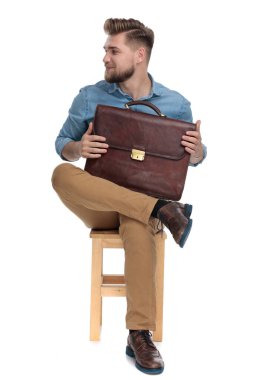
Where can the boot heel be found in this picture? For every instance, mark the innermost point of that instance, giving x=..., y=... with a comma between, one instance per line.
x=187, y=210
x=130, y=352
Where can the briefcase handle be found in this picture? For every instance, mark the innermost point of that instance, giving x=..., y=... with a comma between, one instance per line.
x=145, y=103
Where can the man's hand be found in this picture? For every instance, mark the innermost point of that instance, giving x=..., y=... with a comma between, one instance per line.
x=92, y=146
x=193, y=145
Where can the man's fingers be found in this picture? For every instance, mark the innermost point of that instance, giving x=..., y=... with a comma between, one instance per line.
x=188, y=144
x=92, y=155
x=96, y=144
x=93, y=146
x=97, y=150
x=97, y=138
x=190, y=138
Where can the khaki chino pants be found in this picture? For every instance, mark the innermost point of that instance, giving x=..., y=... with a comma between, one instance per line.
x=101, y=204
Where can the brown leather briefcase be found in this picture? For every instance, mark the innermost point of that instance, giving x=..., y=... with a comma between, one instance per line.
x=145, y=152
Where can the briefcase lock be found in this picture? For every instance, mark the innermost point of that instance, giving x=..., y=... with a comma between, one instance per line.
x=138, y=155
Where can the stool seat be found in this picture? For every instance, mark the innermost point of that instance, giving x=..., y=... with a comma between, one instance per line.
x=113, y=285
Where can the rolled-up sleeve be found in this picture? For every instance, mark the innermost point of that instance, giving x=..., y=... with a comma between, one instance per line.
x=75, y=125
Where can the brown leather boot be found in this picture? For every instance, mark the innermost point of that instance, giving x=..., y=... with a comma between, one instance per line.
x=148, y=358
x=186, y=208
x=174, y=216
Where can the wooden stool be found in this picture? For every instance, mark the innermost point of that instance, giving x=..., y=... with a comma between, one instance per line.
x=111, y=285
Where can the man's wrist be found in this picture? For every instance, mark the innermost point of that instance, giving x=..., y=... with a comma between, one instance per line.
x=72, y=151
x=196, y=159
x=78, y=149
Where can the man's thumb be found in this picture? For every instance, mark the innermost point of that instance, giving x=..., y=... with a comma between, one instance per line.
x=198, y=122
x=89, y=130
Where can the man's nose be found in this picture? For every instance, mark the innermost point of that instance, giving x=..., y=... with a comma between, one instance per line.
x=106, y=58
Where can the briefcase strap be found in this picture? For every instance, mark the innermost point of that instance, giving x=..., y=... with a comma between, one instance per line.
x=145, y=103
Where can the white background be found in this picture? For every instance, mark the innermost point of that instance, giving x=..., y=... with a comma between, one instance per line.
x=49, y=50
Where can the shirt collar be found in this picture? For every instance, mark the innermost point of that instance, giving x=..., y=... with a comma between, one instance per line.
x=155, y=90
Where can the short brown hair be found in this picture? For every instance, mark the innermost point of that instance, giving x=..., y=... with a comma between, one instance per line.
x=136, y=32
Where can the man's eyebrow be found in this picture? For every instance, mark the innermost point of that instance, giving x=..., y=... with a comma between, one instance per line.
x=111, y=47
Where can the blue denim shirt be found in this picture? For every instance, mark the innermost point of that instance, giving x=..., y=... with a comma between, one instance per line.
x=82, y=110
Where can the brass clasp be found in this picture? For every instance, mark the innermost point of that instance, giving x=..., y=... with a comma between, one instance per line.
x=138, y=155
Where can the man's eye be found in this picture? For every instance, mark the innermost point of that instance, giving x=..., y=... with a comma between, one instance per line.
x=114, y=52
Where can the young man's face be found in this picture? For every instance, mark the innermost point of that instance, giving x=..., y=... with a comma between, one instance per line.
x=120, y=59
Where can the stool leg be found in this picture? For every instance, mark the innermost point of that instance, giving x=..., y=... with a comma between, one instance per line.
x=160, y=247
x=96, y=279
x=101, y=310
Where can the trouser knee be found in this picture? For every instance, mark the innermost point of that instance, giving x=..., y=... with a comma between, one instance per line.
x=59, y=175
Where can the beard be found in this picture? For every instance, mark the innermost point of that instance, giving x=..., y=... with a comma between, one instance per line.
x=118, y=77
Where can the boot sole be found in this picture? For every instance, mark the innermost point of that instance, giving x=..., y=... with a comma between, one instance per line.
x=151, y=371
x=186, y=233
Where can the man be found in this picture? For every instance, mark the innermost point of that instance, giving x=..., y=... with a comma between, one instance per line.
x=102, y=204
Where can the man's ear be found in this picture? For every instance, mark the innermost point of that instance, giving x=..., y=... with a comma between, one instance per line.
x=141, y=54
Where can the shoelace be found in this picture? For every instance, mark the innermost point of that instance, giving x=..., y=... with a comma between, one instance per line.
x=146, y=339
